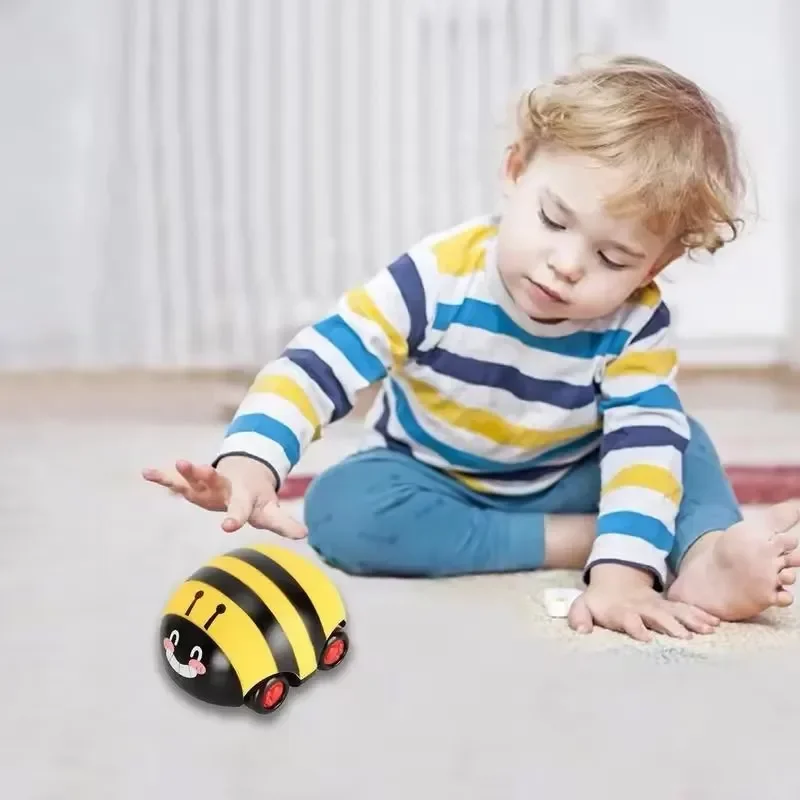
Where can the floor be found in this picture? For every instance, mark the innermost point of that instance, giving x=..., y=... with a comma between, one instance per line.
x=453, y=689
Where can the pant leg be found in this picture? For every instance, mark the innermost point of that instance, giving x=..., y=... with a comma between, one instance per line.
x=382, y=512
x=709, y=502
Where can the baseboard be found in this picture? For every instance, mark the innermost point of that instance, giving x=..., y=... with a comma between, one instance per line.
x=736, y=352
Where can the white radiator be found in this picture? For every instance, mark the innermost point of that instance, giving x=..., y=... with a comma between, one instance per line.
x=275, y=152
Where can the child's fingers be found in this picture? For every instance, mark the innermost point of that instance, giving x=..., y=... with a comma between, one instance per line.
x=663, y=621
x=240, y=507
x=173, y=482
x=272, y=517
x=198, y=477
x=579, y=616
x=633, y=625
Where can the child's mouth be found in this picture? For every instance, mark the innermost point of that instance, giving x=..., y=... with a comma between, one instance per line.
x=538, y=290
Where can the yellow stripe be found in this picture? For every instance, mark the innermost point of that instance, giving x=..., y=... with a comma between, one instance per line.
x=362, y=304
x=471, y=482
x=487, y=423
x=316, y=583
x=290, y=390
x=277, y=602
x=653, y=362
x=647, y=476
x=233, y=632
x=463, y=252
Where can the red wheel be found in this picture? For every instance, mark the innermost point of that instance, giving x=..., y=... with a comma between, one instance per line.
x=269, y=696
x=335, y=650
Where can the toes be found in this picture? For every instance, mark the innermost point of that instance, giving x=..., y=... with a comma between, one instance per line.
x=783, y=516
x=791, y=559
x=787, y=577
x=783, y=598
x=785, y=542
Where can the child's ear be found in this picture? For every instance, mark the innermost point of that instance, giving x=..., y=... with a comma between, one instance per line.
x=513, y=167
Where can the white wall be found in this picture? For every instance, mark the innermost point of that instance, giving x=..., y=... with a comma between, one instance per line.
x=53, y=64
x=735, y=306
x=74, y=257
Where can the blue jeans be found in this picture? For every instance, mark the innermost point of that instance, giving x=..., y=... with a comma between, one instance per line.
x=381, y=512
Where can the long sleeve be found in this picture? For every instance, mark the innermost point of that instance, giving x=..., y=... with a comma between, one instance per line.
x=315, y=379
x=645, y=434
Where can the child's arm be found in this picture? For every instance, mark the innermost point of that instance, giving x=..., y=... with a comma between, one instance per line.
x=315, y=380
x=645, y=435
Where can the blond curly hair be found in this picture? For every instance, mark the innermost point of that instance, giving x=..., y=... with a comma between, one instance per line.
x=637, y=113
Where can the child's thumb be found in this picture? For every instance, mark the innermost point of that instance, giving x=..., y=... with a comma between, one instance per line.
x=240, y=507
x=580, y=617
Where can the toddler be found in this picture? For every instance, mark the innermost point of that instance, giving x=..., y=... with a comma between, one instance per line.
x=527, y=414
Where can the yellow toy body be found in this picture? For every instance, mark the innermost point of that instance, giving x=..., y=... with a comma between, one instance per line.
x=250, y=624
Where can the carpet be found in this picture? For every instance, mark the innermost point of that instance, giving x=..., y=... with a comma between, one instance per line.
x=457, y=688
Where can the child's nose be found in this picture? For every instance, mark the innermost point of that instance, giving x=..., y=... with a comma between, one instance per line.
x=568, y=269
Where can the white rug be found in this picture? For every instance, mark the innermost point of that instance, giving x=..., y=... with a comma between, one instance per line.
x=454, y=689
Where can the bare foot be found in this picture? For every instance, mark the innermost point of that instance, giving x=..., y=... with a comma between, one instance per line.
x=738, y=573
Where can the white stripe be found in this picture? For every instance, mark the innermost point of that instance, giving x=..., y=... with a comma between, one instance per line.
x=260, y=447
x=347, y=374
x=638, y=498
x=385, y=294
x=495, y=348
x=525, y=413
x=465, y=439
x=633, y=416
x=277, y=407
x=634, y=383
x=317, y=397
x=532, y=416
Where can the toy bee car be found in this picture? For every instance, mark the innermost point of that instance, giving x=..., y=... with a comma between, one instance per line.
x=249, y=625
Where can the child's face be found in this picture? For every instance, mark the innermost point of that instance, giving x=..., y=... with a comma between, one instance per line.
x=560, y=254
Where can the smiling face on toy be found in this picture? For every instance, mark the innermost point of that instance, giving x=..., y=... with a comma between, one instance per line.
x=195, y=661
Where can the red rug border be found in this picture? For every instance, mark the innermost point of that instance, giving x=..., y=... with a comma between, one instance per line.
x=753, y=484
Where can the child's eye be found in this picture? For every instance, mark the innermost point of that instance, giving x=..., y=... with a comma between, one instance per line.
x=609, y=263
x=548, y=222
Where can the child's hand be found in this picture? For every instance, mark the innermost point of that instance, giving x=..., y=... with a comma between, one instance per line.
x=622, y=599
x=242, y=486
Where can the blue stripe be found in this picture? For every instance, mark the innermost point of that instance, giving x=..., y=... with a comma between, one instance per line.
x=349, y=344
x=491, y=318
x=405, y=274
x=460, y=458
x=501, y=376
x=663, y=398
x=382, y=426
x=271, y=429
x=660, y=320
x=642, y=436
x=630, y=523
x=324, y=377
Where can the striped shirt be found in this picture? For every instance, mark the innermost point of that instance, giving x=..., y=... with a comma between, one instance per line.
x=471, y=385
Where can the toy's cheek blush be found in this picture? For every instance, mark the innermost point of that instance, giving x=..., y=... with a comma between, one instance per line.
x=168, y=646
x=197, y=666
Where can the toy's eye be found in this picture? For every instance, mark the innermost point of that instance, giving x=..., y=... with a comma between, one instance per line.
x=173, y=637
x=196, y=654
